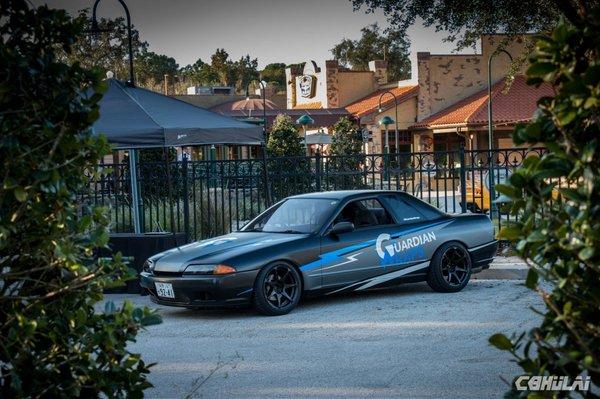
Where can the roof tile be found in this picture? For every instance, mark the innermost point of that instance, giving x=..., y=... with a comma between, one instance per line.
x=516, y=104
x=370, y=103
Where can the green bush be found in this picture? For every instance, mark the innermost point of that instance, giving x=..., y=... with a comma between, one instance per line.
x=289, y=168
x=53, y=344
x=557, y=198
x=344, y=165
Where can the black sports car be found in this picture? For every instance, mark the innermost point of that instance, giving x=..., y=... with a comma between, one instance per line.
x=324, y=243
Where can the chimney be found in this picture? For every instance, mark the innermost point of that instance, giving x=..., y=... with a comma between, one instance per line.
x=333, y=84
x=290, y=82
x=379, y=69
x=166, y=84
x=424, y=98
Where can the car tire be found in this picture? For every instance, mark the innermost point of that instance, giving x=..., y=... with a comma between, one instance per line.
x=450, y=268
x=277, y=289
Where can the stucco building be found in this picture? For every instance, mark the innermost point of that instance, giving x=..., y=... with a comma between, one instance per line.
x=444, y=107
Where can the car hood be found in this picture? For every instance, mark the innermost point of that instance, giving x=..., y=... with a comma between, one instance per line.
x=217, y=250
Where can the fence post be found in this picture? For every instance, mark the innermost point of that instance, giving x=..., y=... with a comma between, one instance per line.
x=266, y=174
x=463, y=179
x=186, y=199
x=318, y=169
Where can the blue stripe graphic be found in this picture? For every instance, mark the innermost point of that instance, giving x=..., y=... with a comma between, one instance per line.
x=334, y=256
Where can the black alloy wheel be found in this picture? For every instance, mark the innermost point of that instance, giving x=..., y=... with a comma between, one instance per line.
x=450, y=268
x=455, y=265
x=277, y=289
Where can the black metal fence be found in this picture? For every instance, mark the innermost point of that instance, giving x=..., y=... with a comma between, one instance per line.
x=209, y=198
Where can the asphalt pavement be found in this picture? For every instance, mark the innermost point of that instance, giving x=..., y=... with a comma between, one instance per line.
x=406, y=342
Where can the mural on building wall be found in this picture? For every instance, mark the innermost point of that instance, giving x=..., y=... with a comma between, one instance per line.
x=308, y=85
x=425, y=143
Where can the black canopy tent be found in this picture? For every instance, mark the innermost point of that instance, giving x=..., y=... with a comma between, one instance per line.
x=134, y=118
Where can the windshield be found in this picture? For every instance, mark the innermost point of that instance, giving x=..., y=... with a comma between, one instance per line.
x=295, y=215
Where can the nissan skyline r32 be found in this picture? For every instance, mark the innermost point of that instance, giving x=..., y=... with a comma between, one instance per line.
x=321, y=244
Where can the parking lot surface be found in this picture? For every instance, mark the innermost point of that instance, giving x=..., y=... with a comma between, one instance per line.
x=403, y=342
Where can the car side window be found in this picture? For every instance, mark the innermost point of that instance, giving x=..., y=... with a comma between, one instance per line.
x=429, y=211
x=364, y=213
x=405, y=213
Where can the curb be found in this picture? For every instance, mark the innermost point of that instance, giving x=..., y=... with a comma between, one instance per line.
x=504, y=268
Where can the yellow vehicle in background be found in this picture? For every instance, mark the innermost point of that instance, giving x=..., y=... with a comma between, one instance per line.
x=478, y=190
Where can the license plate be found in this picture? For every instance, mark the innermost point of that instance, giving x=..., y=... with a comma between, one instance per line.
x=164, y=290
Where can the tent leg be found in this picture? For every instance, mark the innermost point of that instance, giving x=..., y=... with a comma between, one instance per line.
x=135, y=196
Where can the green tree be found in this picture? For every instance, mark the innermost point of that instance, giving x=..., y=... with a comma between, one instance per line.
x=151, y=68
x=375, y=45
x=346, y=139
x=284, y=140
x=54, y=343
x=274, y=74
x=199, y=73
x=223, y=67
x=245, y=70
x=289, y=168
x=347, y=156
x=465, y=21
x=108, y=50
x=557, y=199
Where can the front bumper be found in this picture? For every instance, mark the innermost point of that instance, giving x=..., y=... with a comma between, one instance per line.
x=194, y=291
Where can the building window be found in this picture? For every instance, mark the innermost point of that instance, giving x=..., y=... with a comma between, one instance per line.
x=405, y=139
x=447, y=141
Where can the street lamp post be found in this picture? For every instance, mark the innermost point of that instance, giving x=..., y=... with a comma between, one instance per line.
x=386, y=121
x=135, y=197
x=96, y=29
x=305, y=120
x=265, y=135
x=264, y=100
x=493, y=208
x=396, y=141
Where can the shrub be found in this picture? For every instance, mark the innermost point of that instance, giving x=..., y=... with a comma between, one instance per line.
x=288, y=167
x=347, y=156
x=53, y=342
x=559, y=229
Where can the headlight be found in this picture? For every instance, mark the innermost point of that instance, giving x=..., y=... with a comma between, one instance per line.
x=148, y=266
x=209, y=269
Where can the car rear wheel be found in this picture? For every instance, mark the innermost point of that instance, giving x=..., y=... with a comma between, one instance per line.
x=277, y=289
x=450, y=268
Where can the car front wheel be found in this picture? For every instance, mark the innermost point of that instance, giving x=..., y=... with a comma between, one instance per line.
x=450, y=268
x=277, y=289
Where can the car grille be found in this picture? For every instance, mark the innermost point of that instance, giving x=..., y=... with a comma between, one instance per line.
x=167, y=274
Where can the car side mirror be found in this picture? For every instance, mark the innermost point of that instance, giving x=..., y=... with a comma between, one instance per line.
x=342, y=227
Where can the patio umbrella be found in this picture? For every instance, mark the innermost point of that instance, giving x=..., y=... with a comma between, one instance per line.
x=134, y=118
x=319, y=138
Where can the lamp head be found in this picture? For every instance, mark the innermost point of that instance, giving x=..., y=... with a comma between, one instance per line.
x=386, y=120
x=305, y=120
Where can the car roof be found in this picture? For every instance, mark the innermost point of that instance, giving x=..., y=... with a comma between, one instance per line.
x=339, y=195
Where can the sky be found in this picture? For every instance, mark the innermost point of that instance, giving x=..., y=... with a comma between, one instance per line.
x=287, y=31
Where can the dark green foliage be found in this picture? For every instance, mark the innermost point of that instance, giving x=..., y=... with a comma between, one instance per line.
x=558, y=199
x=465, y=21
x=108, y=50
x=151, y=67
x=53, y=342
x=391, y=45
x=289, y=172
x=153, y=181
x=199, y=73
x=344, y=167
x=274, y=74
x=222, y=71
x=284, y=139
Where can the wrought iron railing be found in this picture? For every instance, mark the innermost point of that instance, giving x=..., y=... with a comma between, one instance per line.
x=210, y=198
